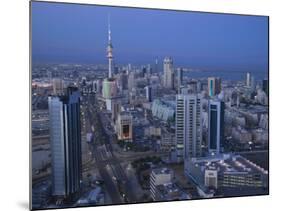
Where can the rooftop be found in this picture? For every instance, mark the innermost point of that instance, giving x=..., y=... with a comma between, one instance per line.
x=228, y=163
x=170, y=191
x=162, y=171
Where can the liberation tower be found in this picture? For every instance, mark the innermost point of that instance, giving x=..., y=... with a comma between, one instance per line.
x=110, y=89
x=109, y=51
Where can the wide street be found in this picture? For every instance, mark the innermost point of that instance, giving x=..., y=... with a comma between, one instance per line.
x=107, y=163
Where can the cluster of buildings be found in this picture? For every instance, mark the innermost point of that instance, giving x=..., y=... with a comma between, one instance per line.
x=201, y=115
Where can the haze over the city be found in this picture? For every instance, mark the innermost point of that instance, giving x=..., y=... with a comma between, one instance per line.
x=77, y=34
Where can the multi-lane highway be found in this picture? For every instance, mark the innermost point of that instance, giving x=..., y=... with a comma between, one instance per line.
x=107, y=163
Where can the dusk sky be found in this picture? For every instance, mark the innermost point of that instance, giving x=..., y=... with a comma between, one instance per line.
x=72, y=33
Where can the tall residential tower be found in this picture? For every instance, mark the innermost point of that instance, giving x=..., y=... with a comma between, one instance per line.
x=188, y=126
x=168, y=73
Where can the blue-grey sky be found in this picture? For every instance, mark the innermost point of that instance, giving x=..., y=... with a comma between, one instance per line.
x=72, y=33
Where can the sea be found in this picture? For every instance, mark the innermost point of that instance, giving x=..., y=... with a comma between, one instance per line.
x=225, y=74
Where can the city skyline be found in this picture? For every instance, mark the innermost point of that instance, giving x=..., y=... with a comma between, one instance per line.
x=207, y=40
x=124, y=133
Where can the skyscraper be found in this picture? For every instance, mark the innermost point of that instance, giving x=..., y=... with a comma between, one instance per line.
x=179, y=77
x=65, y=137
x=168, y=73
x=214, y=86
x=193, y=126
x=180, y=126
x=188, y=126
x=265, y=85
x=156, y=66
x=253, y=83
x=216, y=126
x=148, y=93
x=58, y=86
x=248, y=79
x=149, y=70
x=131, y=81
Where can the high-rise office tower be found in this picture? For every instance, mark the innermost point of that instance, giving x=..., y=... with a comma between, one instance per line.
x=131, y=81
x=122, y=81
x=156, y=66
x=180, y=78
x=168, y=73
x=216, y=126
x=148, y=93
x=188, y=126
x=149, y=70
x=214, y=86
x=97, y=86
x=265, y=85
x=58, y=86
x=248, y=79
x=253, y=83
x=65, y=137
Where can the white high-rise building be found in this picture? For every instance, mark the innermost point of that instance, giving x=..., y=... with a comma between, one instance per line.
x=131, y=81
x=193, y=127
x=168, y=73
x=188, y=126
x=248, y=79
x=148, y=94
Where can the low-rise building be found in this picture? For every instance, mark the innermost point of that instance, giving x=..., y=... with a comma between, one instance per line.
x=159, y=176
x=168, y=141
x=226, y=174
x=152, y=131
x=169, y=192
x=163, y=110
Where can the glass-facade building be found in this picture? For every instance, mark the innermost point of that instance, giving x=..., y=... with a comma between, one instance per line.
x=65, y=137
x=216, y=126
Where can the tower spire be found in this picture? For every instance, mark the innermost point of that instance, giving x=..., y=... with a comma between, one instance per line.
x=109, y=50
x=109, y=31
